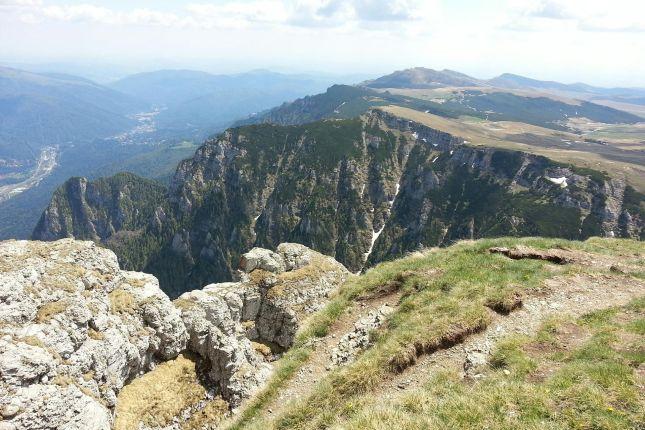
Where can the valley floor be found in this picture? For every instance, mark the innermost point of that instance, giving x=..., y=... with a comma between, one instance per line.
x=45, y=165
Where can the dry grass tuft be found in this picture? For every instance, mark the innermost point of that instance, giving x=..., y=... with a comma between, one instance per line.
x=261, y=348
x=63, y=380
x=136, y=282
x=32, y=341
x=96, y=335
x=258, y=276
x=183, y=304
x=47, y=311
x=162, y=394
x=207, y=417
x=122, y=302
x=506, y=304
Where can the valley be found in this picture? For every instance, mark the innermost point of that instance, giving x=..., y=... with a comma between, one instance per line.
x=45, y=164
x=144, y=124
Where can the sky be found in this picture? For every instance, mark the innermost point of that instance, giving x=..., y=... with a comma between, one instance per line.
x=597, y=42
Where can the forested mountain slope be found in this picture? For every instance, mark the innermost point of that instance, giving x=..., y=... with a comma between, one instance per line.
x=362, y=190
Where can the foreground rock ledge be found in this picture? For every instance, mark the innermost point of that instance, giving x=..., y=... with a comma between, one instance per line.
x=74, y=328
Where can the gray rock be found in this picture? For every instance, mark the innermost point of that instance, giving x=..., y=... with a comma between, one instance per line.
x=259, y=258
x=9, y=411
x=267, y=306
x=73, y=329
x=357, y=340
x=475, y=361
x=295, y=255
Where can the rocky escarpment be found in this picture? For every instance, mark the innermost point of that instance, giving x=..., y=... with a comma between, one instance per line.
x=114, y=211
x=74, y=328
x=362, y=191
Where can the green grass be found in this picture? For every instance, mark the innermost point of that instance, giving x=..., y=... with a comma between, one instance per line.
x=445, y=296
x=590, y=386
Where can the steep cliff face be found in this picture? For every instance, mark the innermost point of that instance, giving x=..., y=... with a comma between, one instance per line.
x=368, y=189
x=115, y=211
x=372, y=189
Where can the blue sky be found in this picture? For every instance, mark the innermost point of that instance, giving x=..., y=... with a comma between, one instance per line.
x=598, y=42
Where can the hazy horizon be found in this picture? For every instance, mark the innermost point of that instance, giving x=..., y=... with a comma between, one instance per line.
x=567, y=41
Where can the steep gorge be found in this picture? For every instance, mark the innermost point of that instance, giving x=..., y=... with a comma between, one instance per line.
x=361, y=190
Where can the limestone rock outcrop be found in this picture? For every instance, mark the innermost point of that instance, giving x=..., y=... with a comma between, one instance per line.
x=355, y=341
x=74, y=328
x=240, y=326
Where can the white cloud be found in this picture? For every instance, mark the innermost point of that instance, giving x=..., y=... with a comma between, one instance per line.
x=585, y=15
x=232, y=14
x=550, y=9
x=236, y=14
x=19, y=3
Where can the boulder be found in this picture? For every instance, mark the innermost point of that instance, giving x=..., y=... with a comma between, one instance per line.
x=259, y=258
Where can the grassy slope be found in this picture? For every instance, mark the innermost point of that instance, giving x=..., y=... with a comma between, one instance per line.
x=445, y=296
x=542, y=141
x=536, y=382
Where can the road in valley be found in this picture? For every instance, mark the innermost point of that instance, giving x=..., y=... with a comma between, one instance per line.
x=46, y=164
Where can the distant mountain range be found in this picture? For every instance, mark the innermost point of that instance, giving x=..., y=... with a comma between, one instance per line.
x=38, y=110
x=146, y=123
x=41, y=109
x=343, y=101
x=631, y=95
x=203, y=103
x=423, y=78
x=141, y=123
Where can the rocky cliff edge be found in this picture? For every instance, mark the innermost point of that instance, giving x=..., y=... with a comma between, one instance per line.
x=75, y=329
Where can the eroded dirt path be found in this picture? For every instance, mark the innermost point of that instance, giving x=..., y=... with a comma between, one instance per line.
x=572, y=296
x=319, y=363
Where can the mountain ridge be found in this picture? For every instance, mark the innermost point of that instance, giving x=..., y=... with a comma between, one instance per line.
x=363, y=191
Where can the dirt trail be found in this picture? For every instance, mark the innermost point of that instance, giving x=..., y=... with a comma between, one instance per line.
x=572, y=295
x=317, y=367
x=568, y=295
